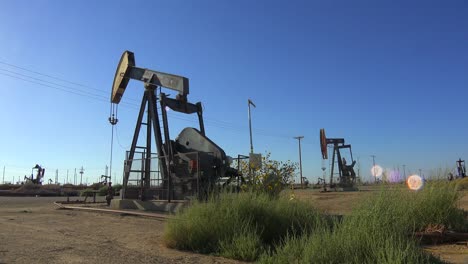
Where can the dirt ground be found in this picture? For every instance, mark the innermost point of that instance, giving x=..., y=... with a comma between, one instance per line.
x=33, y=230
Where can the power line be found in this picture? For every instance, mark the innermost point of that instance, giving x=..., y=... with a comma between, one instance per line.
x=42, y=80
x=56, y=78
x=75, y=91
x=43, y=74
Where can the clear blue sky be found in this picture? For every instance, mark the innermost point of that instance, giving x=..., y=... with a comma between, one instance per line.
x=389, y=76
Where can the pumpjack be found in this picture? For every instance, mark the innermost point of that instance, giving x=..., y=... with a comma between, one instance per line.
x=461, y=169
x=346, y=174
x=189, y=165
x=39, y=175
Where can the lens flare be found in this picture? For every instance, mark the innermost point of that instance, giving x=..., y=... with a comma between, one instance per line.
x=415, y=182
x=376, y=171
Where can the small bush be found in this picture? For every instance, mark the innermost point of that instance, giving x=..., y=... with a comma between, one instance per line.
x=87, y=192
x=96, y=186
x=117, y=187
x=103, y=191
x=244, y=245
x=249, y=226
x=379, y=231
x=226, y=221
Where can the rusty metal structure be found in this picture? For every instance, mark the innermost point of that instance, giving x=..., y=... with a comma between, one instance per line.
x=346, y=177
x=187, y=166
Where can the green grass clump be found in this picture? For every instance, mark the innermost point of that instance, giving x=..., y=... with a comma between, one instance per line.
x=240, y=226
x=244, y=245
x=250, y=226
x=337, y=247
x=379, y=231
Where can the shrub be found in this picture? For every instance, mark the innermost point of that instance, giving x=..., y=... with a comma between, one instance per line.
x=343, y=247
x=245, y=245
x=247, y=226
x=237, y=224
x=103, y=191
x=117, y=187
x=271, y=177
x=96, y=186
x=87, y=191
x=379, y=231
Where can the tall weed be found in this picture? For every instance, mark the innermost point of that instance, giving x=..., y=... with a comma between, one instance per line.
x=378, y=231
x=230, y=218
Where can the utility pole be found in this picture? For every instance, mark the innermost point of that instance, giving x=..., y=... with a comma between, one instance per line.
x=420, y=171
x=81, y=177
x=373, y=168
x=75, y=177
x=300, y=158
x=359, y=170
x=67, y=176
x=249, y=102
x=3, y=181
x=56, y=176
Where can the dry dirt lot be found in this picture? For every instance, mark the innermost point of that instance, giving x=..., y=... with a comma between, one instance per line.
x=32, y=230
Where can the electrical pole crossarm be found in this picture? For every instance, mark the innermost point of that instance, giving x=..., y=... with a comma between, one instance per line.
x=127, y=70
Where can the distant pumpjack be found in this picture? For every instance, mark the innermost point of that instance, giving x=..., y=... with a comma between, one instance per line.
x=346, y=174
x=461, y=168
x=39, y=175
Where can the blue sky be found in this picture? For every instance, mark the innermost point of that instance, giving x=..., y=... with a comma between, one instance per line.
x=388, y=76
